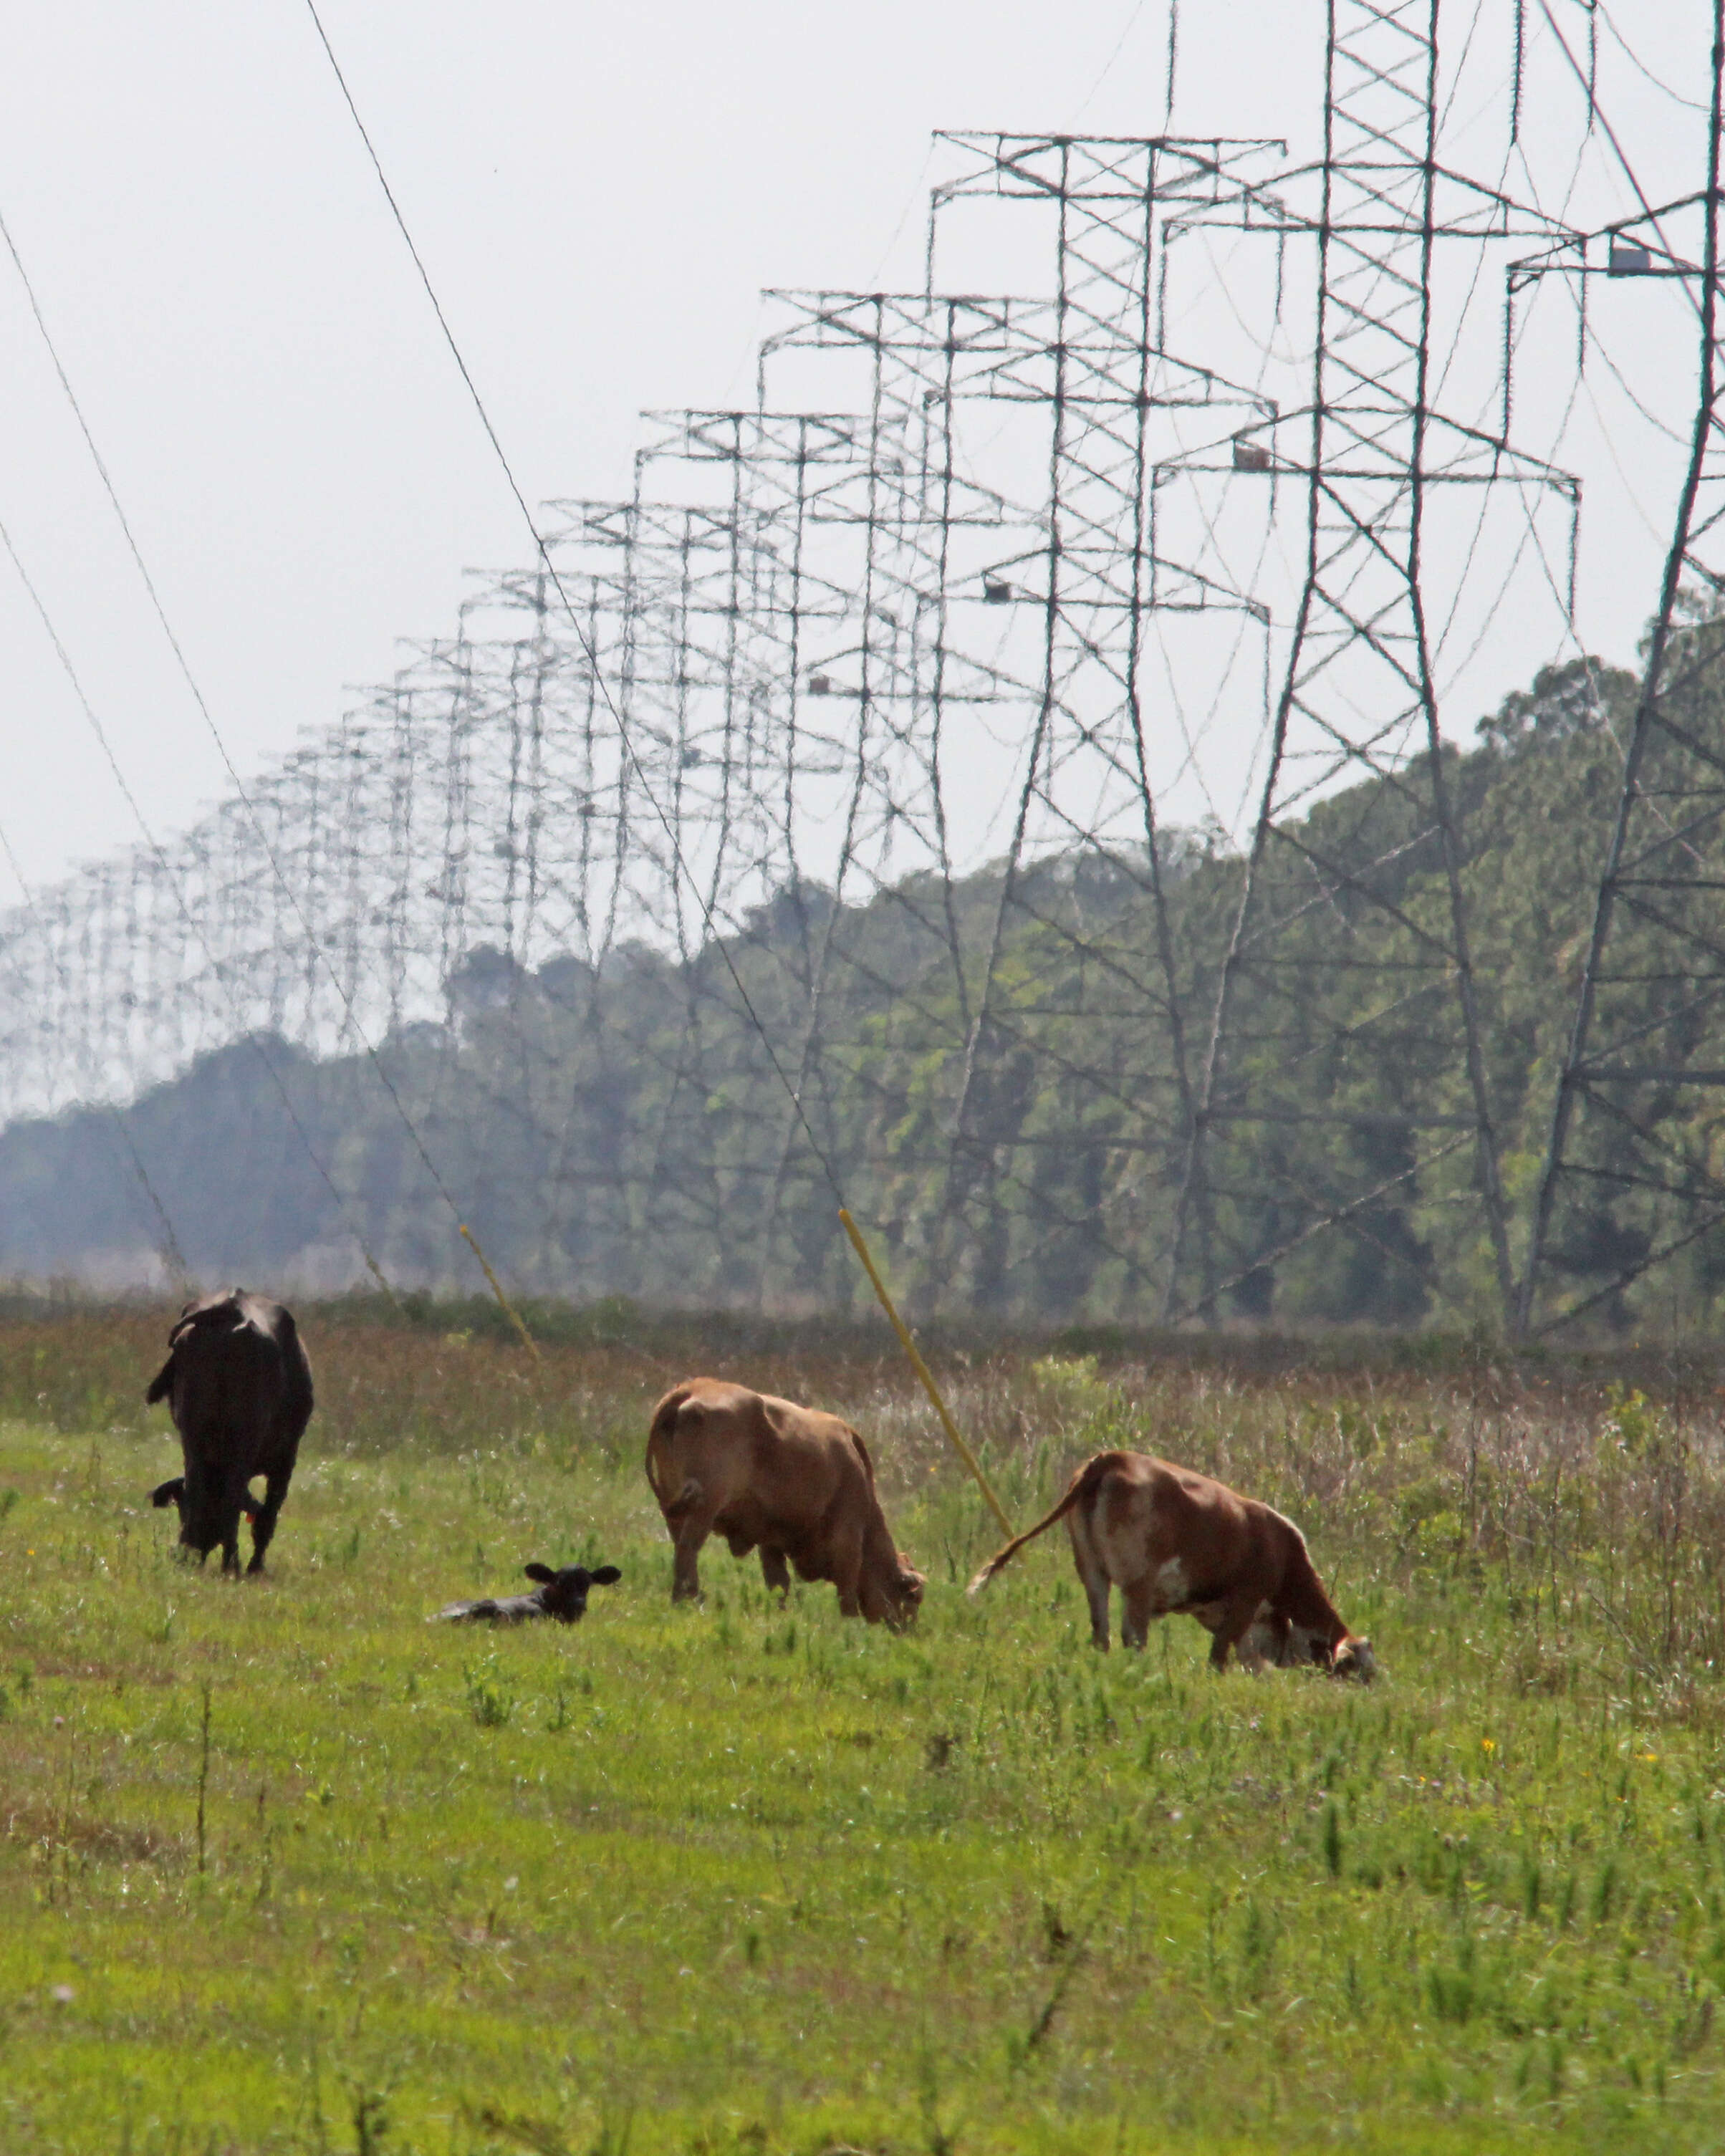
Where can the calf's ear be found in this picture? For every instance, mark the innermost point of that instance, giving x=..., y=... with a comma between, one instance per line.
x=607, y=1575
x=542, y=1573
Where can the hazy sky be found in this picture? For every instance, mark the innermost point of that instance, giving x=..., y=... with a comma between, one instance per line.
x=600, y=193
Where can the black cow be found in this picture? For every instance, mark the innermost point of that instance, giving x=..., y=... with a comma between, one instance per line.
x=559, y=1594
x=239, y=1388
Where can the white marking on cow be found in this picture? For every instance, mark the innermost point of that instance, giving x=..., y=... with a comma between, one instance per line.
x=1170, y=1583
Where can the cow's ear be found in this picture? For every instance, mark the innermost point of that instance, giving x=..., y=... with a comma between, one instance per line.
x=161, y=1384
x=542, y=1573
x=607, y=1575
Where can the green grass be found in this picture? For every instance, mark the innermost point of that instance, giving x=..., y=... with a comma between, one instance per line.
x=737, y=1879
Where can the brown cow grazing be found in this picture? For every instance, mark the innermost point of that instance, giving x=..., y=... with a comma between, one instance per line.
x=793, y=1483
x=1171, y=1540
x=239, y=1388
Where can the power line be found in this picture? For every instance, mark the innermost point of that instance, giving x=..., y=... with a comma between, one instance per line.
x=173, y=1256
x=287, y=889
x=1690, y=103
x=150, y=840
x=592, y=656
x=1617, y=148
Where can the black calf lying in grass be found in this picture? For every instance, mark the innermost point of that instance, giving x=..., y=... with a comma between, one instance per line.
x=559, y=1594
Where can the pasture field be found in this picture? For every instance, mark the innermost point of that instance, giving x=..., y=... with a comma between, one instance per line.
x=283, y=1869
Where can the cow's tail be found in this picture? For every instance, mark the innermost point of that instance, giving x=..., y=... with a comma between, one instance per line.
x=1082, y=1483
x=658, y=1437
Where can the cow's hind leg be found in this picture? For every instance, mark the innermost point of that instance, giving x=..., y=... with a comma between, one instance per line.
x=275, y=1490
x=776, y=1573
x=1093, y=1573
x=690, y=1528
x=686, y=1561
x=689, y=1519
x=1139, y=1597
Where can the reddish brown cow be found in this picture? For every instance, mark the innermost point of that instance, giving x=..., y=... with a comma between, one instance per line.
x=793, y=1483
x=1171, y=1540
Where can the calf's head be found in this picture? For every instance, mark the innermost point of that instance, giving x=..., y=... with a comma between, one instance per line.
x=192, y=1530
x=563, y=1595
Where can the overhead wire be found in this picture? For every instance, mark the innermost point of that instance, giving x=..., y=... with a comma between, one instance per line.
x=1109, y=64
x=171, y=1250
x=178, y=650
x=1603, y=13
x=174, y=882
x=1611, y=136
x=544, y=553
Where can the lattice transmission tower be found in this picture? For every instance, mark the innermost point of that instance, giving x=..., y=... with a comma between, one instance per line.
x=1342, y=895
x=1015, y=518
x=1633, y=1176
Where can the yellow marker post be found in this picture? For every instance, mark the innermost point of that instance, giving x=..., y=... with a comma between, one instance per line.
x=509, y=1309
x=923, y=1370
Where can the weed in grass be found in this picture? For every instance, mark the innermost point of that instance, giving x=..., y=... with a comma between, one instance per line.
x=518, y=2131
x=1332, y=1842
x=489, y=1704
x=202, y=1774
x=369, y=2110
x=1604, y=1890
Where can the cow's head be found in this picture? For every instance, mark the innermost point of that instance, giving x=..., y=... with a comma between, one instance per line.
x=900, y=1592
x=1286, y=1644
x=563, y=1593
